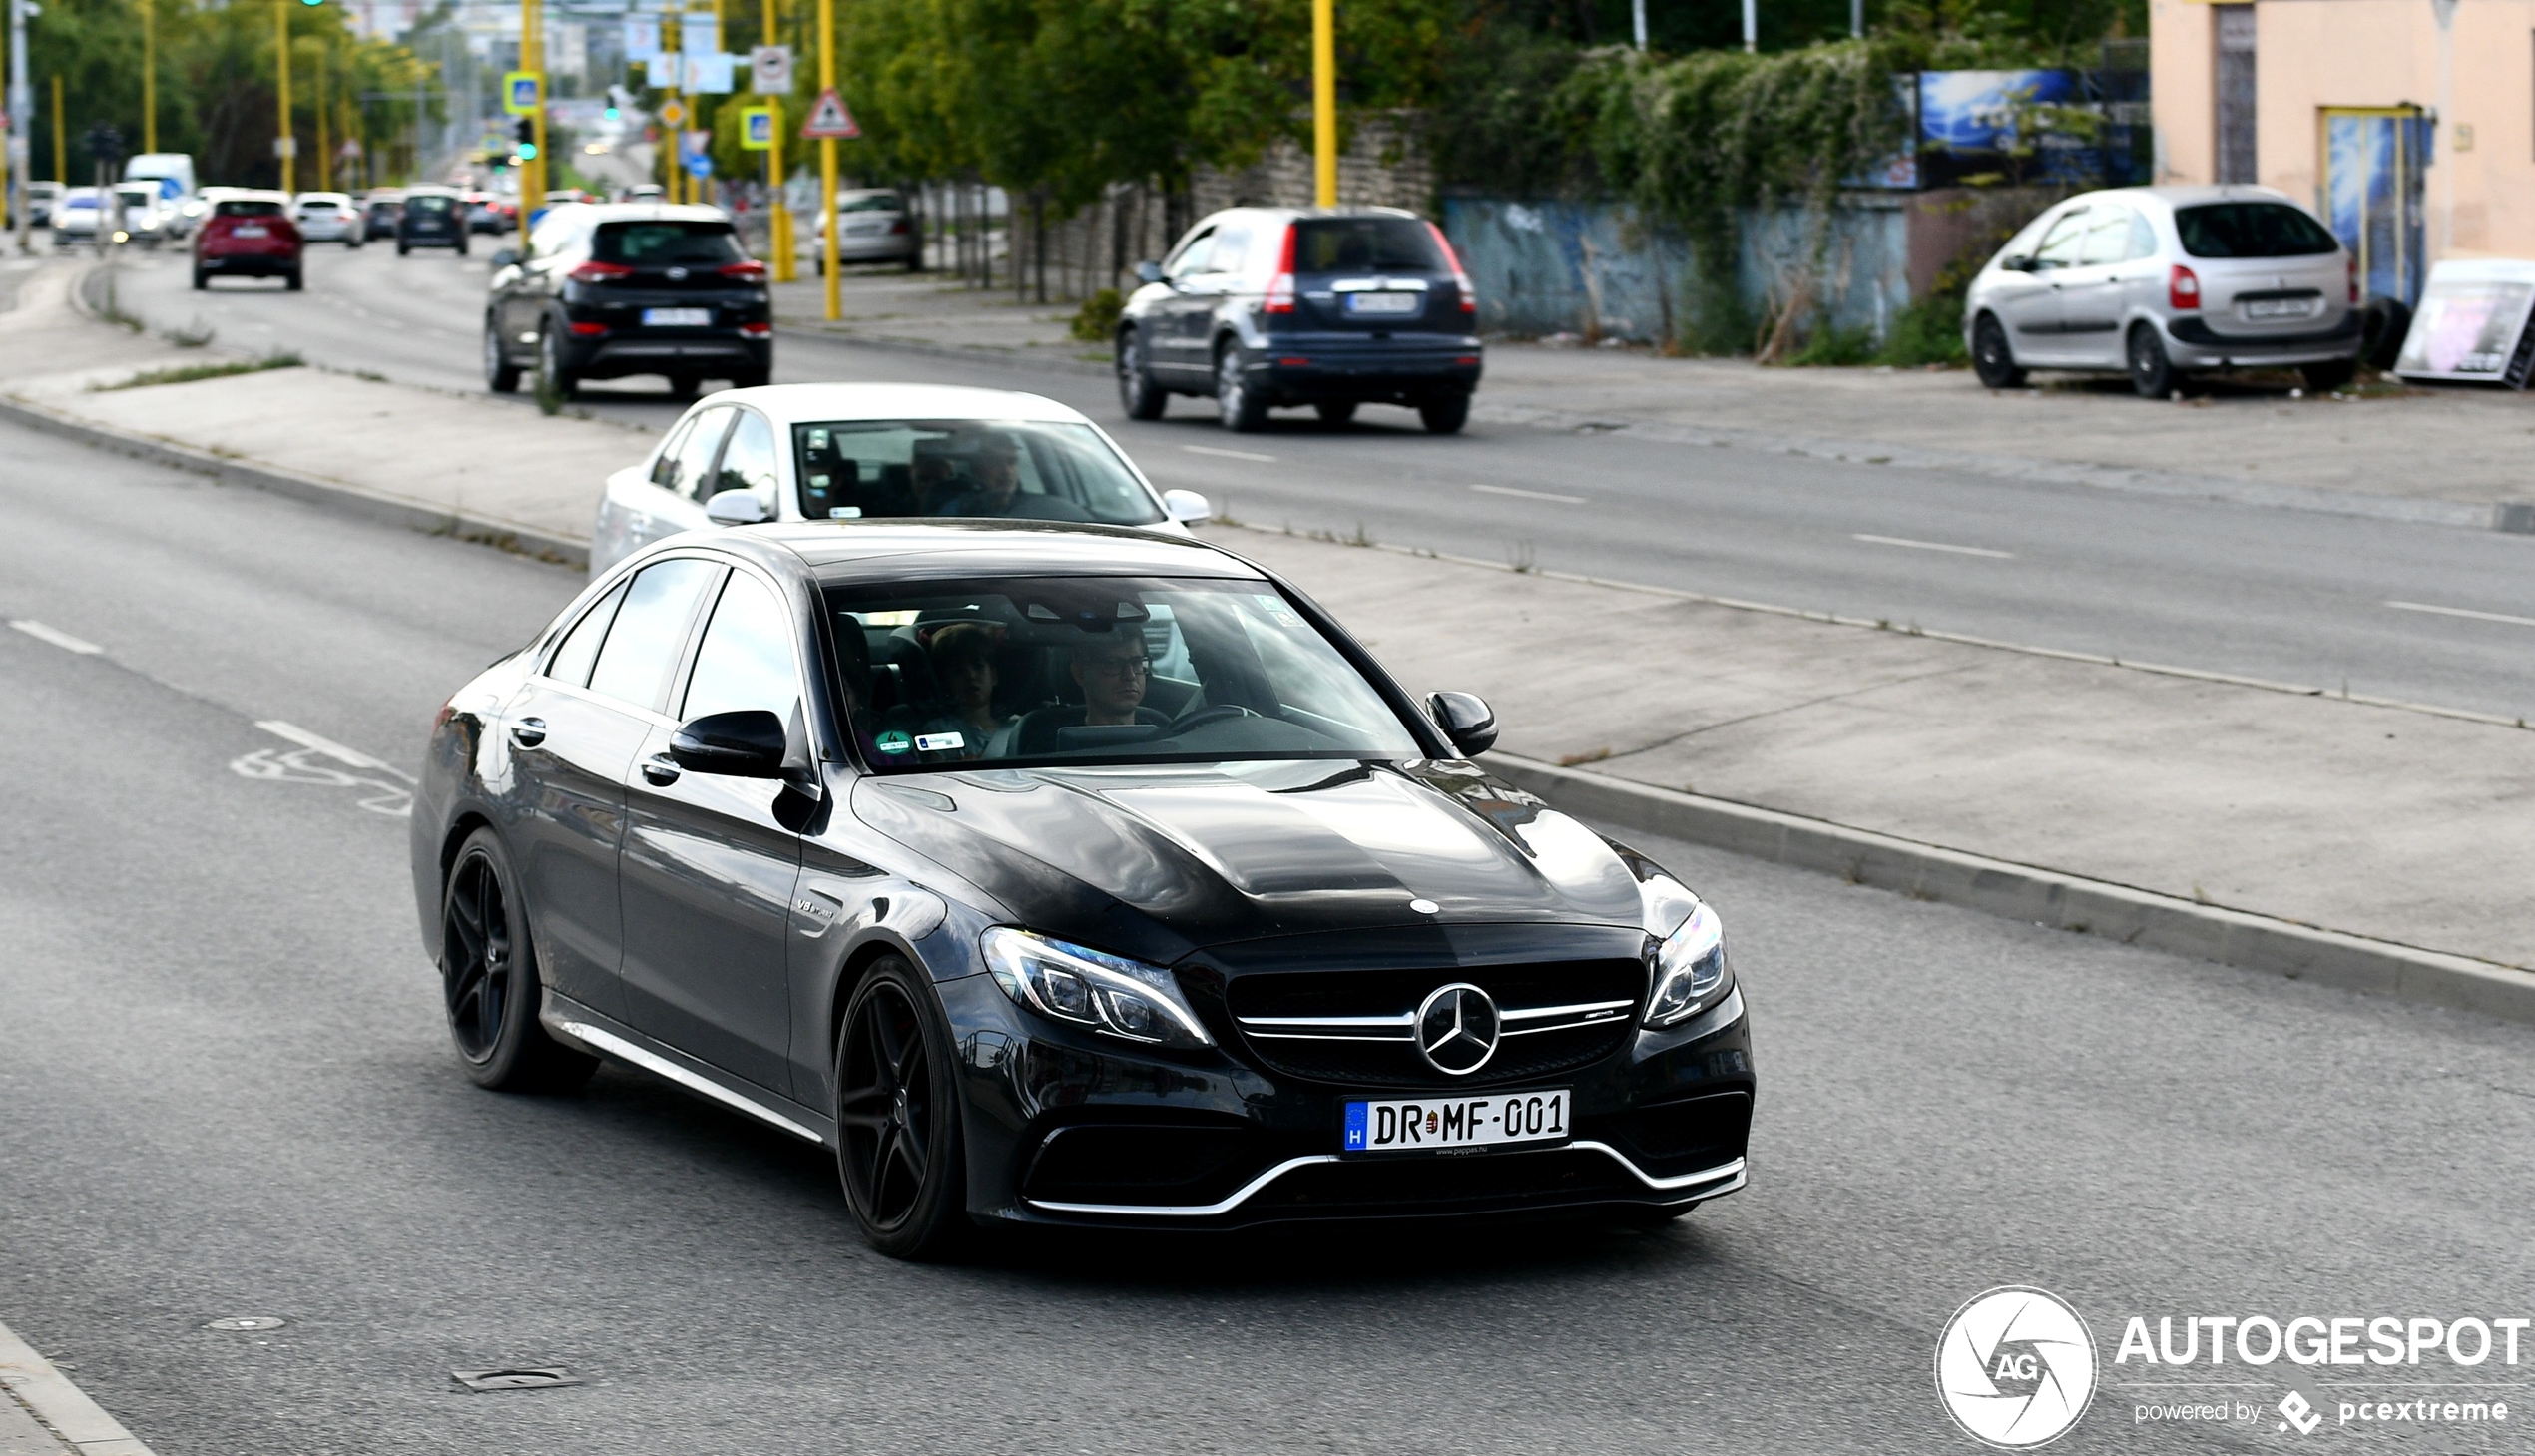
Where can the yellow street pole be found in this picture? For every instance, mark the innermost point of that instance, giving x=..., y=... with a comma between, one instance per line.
x=61, y=150
x=149, y=76
x=325, y=158
x=287, y=141
x=532, y=58
x=674, y=41
x=779, y=219
x=1324, y=101
x=827, y=165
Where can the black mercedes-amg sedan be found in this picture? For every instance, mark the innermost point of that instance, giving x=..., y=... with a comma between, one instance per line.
x=1062, y=875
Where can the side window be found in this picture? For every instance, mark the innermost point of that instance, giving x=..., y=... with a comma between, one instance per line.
x=650, y=631
x=686, y=466
x=664, y=469
x=1193, y=257
x=2107, y=235
x=747, y=462
x=550, y=237
x=1232, y=251
x=745, y=658
x=2143, y=237
x=2060, y=248
x=571, y=663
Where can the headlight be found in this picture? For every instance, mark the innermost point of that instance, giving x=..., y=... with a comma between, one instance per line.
x=1108, y=993
x=1688, y=967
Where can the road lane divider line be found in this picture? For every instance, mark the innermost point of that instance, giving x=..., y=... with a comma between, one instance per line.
x=1873, y=540
x=1530, y=495
x=2033, y=893
x=2442, y=612
x=56, y=636
x=64, y=1409
x=1222, y=454
x=330, y=749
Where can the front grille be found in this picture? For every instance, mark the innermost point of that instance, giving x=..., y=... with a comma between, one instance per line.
x=1356, y=1027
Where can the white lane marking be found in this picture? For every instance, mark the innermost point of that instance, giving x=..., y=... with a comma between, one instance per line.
x=385, y=789
x=1228, y=454
x=330, y=749
x=2463, y=612
x=1530, y=495
x=1931, y=546
x=55, y=635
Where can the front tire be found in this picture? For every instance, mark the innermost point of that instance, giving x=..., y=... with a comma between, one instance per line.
x=2151, y=370
x=488, y=973
x=1241, y=409
x=1446, y=415
x=899, y=1150
x=1992, y=359
x=500, y=374
x=552, y=376
x=1334, y=411
x=1137, y=393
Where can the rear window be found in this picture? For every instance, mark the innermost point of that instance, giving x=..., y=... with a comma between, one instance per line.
x=872, y=202
x=709, y=245
x=247, y=209
x=429, y=203
x=1007, y=469
x=1365, y=244
x=2250, y=230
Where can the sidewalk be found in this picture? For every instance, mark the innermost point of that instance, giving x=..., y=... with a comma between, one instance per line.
x=2377, y=820
x=2245, y=442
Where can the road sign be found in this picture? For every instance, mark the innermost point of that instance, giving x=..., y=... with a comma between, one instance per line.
x=830, y=120
x=672, y=112
x=520, y=93
x=757, y=128
x=770, y=69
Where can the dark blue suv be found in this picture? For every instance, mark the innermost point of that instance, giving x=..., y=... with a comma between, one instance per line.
x=1263, y=308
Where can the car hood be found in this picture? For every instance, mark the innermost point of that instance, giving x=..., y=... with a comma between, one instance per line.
x=1157, y=862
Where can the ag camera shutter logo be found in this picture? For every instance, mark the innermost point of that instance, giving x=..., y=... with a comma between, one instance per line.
x=2015, y=1367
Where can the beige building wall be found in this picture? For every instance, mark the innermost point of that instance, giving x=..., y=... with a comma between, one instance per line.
x=2311, y=53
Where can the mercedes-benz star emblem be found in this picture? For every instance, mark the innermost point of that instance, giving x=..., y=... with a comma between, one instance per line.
x=1456, y=1029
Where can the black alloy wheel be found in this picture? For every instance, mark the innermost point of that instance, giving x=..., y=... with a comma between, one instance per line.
x=552, y=378
x=1137, y=393
x=1241, y=409
x=1992, y=359
x=1336, y=411
x=500, y=374
x=489, y=979
x=1445, y=414
x=898, y=1145
x=2151, y=370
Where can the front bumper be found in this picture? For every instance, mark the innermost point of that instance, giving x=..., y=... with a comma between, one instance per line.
x=1071, y=1129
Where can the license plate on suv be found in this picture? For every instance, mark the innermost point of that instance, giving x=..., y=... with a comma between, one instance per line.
x=2282, y=308
x=1384, y=303
x=677, y=319
x=1436, y=1124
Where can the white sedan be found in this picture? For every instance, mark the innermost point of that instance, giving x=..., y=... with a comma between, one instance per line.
x=871, y=227
x=328, y=218
x=811, y=452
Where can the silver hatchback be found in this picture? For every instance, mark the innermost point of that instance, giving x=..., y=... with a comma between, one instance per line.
x=2161, y=281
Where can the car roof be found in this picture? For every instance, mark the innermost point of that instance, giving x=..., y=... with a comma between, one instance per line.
x=646, y=212
x=1341, y=214
x=813, y=403
x=2183, y=195
x=252, y=195
x=847, y=553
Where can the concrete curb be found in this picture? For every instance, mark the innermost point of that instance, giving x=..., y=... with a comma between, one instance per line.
x=80, y=1422
x=387, y=509
x=1013, y=358
x=2043, y=896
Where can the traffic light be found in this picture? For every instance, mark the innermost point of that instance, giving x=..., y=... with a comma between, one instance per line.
x=525, y=129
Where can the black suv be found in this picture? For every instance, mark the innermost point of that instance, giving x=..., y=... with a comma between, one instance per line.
x=1269, y=306
x=604, y=290
x=431, y=218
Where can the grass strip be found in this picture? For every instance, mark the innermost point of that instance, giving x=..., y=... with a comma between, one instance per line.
x=188, y=373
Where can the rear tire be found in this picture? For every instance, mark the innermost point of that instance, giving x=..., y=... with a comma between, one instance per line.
x=1137, y=393
x=683, y=386
x=755, y=381
x=552, y=376
x=293, y=281
x=1241, y=409
x=489, y=982
x=500, y=374
x=403, y=248
x=901, y=1153
x=1992, y=359
x=1445, y=416
x=1334, y=411
x=201, y=281
x=2150, y=372
x=2324, y=378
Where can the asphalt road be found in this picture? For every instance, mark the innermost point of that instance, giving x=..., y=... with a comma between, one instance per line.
x=228, y=1092
x=2281, y=595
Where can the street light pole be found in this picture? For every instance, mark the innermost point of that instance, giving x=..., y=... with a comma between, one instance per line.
x=778, y=218
x=1324, y=101
x=285, y=142
x=532, y=58
x=827, y=165
x=21, y=113
x=149, y=76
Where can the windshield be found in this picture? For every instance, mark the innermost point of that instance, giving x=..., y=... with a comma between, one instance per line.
x=1098, y=671
x=1010, y=469
x=1365, y=244
x=870, y=202
x=660, y=245
x=2250, y=230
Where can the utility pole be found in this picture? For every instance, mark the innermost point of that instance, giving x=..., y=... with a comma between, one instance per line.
x=673, y=41
x=285, y=142
x=325, y=158
x=1856, y=19
x=778, y=218
x=1636, y=18
x=827, y=165
x=21, y=113
x=1324, y=101
x=532, y=58
x=61, y=144
x=149, y=76
x=1751, y=26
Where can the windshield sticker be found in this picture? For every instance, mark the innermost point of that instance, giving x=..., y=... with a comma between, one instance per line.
x=939, y=743
x=894, y=742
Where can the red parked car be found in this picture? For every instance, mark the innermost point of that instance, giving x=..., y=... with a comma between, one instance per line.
x=248, y=234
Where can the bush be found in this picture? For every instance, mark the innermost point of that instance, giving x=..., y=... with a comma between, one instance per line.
x=1929, y=332
x=1097, y=320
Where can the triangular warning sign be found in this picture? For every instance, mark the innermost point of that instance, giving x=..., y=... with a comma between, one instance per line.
x=829, y=119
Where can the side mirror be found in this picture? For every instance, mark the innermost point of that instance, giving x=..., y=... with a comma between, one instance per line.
x=735, y=507
x=748, y=744
x=2017, y=264
x=1187, y=506
x=1466, y=720
x=1148, y=272
x=504, y=258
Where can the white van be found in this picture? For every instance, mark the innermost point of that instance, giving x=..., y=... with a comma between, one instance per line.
x=173, y=172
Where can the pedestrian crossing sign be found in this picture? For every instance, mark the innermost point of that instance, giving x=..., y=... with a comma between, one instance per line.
x=519, y=93
x=757, y=128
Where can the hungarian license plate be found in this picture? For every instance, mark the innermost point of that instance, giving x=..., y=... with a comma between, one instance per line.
x=250, y=232
x=676, y=317
x=1384, y=303
x=2280, y=307
x=866, y=229
x=1431, y=1124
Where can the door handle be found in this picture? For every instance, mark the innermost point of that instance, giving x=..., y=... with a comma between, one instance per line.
x=661, y=769
x=528, y=733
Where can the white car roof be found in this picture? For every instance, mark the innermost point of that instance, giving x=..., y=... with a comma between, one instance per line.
x=810, y=403
x=2185, y=195
x=325, y=197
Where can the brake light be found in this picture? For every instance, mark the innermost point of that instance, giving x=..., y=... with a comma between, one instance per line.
x=600, y=273
x=588, y=331
x=2354, y=278
x=757, y=331
x=1280, y=287
x=898, y=227
x=748, y=272
x=1460, y=280
x=2183, y=288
